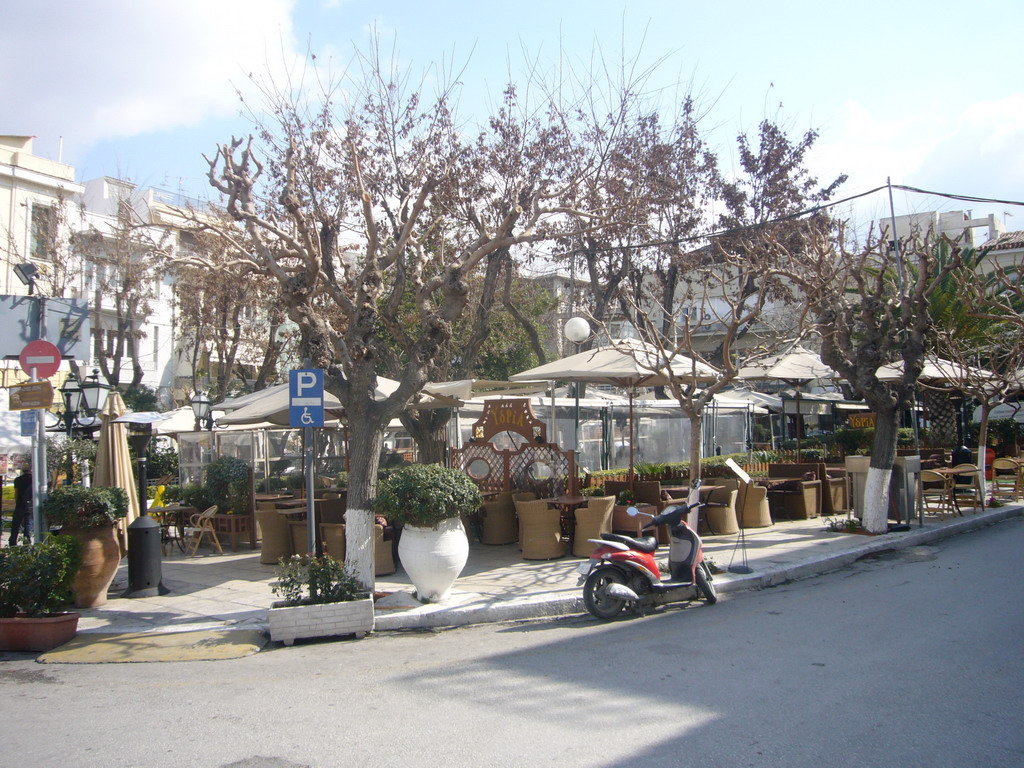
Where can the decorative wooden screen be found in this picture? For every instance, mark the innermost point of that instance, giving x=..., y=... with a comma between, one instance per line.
x=536, y=465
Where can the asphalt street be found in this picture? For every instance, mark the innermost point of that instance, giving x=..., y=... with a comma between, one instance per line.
x=906, y=659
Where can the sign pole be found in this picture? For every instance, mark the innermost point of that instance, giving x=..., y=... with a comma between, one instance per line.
x=306, y=411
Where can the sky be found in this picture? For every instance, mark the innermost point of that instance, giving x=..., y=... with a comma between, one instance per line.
x=929, y=94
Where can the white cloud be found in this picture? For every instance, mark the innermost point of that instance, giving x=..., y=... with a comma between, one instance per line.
x=111, y=69
x=971, y=150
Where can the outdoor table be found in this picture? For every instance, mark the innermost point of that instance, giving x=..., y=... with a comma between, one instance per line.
x=567, y=505
x=291, y=506
x=176, y=515
x=272, y=496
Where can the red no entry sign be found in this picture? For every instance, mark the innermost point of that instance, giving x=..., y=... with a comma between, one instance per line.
x=42, y=356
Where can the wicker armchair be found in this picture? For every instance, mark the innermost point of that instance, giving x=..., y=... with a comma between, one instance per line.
x=591, y=521
x=540, y=530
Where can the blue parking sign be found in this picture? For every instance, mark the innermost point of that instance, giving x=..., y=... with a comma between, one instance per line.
x=306, y=397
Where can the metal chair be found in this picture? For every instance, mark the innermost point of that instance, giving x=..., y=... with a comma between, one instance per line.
x=967, y=485
x=1006, y=479
x=937, y=493
x=200, y=527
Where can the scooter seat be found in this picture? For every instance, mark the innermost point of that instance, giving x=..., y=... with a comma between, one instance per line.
x=647, y=544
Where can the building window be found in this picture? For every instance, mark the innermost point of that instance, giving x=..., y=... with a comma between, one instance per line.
x=43, y=224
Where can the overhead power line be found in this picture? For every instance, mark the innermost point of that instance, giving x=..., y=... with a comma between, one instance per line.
x=790, y=217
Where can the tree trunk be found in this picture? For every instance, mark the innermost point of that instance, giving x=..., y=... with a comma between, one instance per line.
x=364, y=459
x=429, y=429
x=696, y=441
x=986, y=408
x=875, y=516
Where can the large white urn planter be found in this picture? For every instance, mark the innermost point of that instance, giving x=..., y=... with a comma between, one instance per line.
x=434, y=557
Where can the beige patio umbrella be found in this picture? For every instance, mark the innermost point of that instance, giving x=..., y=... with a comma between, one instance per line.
x=626, y=363
x=797, y=367
x=113, y=462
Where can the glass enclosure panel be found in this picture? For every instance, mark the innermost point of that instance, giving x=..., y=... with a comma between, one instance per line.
x=330, y=453
x=247, y=446
x=195, y=451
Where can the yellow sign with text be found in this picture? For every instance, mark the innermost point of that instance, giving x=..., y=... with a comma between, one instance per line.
x=862, y=420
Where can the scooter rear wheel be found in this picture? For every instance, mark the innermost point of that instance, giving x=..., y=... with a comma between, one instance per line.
x=705, y=585
x=596, y=598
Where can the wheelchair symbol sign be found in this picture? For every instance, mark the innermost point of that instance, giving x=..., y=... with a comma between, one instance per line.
x=306, y=398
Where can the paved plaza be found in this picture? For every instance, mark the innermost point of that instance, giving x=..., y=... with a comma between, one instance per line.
x=233, y=590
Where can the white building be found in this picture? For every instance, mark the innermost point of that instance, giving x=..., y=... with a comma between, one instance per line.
x=83, y=238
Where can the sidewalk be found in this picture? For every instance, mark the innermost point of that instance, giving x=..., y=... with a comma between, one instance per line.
x=232, y=591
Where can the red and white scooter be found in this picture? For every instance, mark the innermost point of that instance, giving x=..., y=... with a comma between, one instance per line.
x=622, y=572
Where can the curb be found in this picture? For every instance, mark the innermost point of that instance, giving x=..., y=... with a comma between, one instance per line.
x=543, y=606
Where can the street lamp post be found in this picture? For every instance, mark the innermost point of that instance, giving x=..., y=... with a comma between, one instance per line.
x=201, y=407
x=71, y=394
x=576, y=330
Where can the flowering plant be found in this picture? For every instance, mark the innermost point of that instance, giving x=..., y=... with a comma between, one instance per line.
x=627, y=496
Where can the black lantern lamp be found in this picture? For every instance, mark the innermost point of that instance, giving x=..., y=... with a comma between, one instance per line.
x=94, y=393
x=202, y=408
x=71, y=394
x=144, y=565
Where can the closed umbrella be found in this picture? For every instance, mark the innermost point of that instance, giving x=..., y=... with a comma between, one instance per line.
x=626, y=363
x=113, y=461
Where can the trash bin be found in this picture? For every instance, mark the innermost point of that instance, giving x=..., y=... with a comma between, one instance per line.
x=903, y=488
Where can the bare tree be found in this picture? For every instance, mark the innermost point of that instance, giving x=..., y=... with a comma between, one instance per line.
x=120, y=260
x=371, y=216
x=711, y=296
x=870, y=306
x=229, y=315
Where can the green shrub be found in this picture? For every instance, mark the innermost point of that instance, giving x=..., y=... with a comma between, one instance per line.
x=227, y=479
x=35, y=579
x=192, y=495
x=162, y=461
x=76, y=506
x=305, y=580
x=425, y=494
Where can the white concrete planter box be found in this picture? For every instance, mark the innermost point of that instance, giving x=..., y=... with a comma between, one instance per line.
x=289, y=623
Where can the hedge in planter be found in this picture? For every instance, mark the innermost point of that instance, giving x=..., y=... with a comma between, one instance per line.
x=321, y=599
x=35, y=583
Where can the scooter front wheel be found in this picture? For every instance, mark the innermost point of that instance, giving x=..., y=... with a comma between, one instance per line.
x=595, y=593
x=705, y=585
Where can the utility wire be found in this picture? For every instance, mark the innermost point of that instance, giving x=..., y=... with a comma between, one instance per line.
x=787, y=217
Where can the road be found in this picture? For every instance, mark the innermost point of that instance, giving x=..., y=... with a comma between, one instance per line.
x=910, y=659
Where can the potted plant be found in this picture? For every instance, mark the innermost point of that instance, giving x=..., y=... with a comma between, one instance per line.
x=321, y=599
x=428, y=500
x=89, y=515
x=35, y=582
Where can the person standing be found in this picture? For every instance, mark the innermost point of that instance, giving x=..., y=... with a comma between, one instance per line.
x=22, y=507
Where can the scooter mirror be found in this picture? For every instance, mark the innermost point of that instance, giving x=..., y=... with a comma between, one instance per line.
x=632, y=511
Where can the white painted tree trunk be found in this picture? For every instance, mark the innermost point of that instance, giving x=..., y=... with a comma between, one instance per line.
x=359, y=547
x=876, y=500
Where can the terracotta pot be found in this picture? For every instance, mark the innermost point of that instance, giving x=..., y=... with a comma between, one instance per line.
x=434, y=557
x=100, y=557
x=37, y=634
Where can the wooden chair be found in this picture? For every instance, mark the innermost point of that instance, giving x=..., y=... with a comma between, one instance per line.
x=937, y=493
x=967, y=486
x=591, y=521
x=540, y=529
x=383, y=559
x=201, y=526
x=1006, y=479
x=275, y=540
